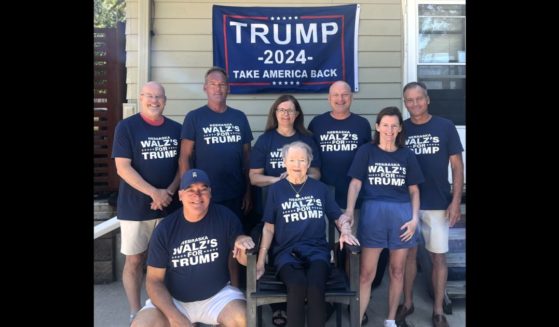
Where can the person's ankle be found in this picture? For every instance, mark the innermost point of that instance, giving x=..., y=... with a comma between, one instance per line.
x=390, y=323
x=132, y=316
x=438, y=312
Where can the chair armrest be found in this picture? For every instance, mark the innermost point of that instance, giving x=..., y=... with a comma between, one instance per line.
x=252, y=257
x=352, y=249
x=251, y=271
x=253, y=251
x=352, y=266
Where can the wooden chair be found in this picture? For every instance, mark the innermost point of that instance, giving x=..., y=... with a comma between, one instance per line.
x=341, y=288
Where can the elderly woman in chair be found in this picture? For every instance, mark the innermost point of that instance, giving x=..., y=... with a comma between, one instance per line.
x=294, y=230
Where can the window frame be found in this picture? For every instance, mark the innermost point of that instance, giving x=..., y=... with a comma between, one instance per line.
x=411, y=41
x=411, y=46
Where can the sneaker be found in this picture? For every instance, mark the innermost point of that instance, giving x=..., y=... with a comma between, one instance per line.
x=402, y=312
x=439, y=320
x=390, y=323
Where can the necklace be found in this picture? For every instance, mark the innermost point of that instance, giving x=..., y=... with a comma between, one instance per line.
x=300, y=188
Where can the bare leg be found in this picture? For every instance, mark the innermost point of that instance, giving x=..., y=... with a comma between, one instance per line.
x=132, y=276
x=396, y=270
x=234, y=267
x=439, y=277
x=233, y=314
x=151, y=318
x=409, y=276
x=367, y=272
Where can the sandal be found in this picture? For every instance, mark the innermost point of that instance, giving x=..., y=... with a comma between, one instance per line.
x=279, y=318
x=402, y=312
x=365, y=319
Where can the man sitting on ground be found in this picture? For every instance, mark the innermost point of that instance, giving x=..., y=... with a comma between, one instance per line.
x=187, y=275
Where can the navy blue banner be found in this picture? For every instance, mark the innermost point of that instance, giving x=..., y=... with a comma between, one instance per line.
x=286, y=49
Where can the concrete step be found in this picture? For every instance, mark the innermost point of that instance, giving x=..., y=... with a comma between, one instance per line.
x=104, y=264
x=111, y=307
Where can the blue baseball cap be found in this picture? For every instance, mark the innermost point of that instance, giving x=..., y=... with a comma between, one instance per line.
x=194, y=176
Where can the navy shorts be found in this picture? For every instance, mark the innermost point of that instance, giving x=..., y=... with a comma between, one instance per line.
x=380, y=223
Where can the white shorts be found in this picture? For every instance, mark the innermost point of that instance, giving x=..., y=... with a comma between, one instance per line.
x=206, y=311
x=135, y=235
x=434, y=229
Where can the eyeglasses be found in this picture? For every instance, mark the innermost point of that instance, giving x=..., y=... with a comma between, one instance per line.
x=153, y=97
x=286, y=111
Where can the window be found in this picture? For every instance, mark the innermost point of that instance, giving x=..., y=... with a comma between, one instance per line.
x=441, y=58
x=436, y=55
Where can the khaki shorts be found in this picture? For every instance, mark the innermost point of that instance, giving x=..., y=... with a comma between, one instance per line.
x=434, y=229
x=135, y=235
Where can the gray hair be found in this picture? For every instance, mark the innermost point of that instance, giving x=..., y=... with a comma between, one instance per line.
x=419, y=85
x=216, y=69
x=297, y=144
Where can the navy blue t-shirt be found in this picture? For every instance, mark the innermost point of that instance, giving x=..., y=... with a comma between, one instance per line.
x=385, y=176
x=266, y=152
x=433, y=143
x=154, y=151
x=338, y=141
x=218, y=150
x=299, y=222
x=195, y=255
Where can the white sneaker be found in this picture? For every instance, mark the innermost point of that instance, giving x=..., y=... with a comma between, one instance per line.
x=390, y=323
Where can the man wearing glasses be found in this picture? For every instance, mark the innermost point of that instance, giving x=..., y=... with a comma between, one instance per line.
x=146, y=150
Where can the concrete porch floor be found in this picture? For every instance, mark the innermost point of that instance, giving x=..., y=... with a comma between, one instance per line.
x=111, y=307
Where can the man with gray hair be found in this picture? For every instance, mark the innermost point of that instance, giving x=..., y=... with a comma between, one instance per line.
x=216, y=131
x=436, y=143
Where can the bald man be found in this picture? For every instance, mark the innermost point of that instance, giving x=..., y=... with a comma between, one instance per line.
x=339, y=133
x=146, y=151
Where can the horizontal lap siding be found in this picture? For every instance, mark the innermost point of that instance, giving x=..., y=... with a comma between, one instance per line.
x=181, y=52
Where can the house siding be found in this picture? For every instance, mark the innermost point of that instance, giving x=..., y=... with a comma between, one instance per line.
x=181, y=52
